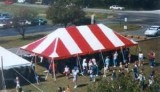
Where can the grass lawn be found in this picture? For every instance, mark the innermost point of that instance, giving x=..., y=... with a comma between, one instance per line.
x=13, y=8
x=16, y=41
x=100, y=15
x=119, y=27
x=51, y=86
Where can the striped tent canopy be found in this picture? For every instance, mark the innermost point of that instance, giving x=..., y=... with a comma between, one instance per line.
x=81, y=40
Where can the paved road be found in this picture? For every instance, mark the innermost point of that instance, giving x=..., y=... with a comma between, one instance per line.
x=29, y=30
x=143, y=18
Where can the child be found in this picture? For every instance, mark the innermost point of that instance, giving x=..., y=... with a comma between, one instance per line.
x=68, y=89
x=120, y=66
x=66, y=71
x=126, y=67
x=37, y=79
x=113, y=75
x=17, y=84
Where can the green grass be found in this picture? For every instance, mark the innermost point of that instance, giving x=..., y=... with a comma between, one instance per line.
x=16, y=41
x=13, y=8
x=119, y=27
x=100, y=15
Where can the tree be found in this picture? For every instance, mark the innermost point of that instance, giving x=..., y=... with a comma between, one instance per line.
x=124, y=83
x=20, y=20
x=65, y=12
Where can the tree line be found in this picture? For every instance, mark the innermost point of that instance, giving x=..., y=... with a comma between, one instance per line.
x=129, y=4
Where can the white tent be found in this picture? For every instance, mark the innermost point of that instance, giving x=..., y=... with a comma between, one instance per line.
x=11, y=60
x=12, y=65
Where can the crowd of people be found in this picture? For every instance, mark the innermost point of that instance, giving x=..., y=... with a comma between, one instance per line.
x=112, y=64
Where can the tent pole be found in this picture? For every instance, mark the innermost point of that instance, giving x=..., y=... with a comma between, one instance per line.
x=53, y=69
x=102, y=59
x=122, y=55
x=3, y=80
x=35, y=62
x=52, y=60
x=79, y=62
x=102, y=56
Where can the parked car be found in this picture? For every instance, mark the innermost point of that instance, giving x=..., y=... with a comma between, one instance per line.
x=7, y=23
x=24, y=22
x=116, y=7
x=152, y=31
x=5, y=15
x=39, y=21
x=2, y=24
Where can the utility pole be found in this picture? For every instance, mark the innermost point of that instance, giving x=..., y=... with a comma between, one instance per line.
x=125, y=23
x=92, y=18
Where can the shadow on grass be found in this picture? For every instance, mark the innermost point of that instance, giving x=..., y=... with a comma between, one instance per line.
x=5, y=41
x=157, y=64
x=60, y=75
x=82, y=85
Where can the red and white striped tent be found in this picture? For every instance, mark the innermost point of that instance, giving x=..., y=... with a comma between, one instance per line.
x=78, y=40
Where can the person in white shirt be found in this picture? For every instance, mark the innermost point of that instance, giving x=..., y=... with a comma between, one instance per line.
x=106, y=66
x=115, y=56
x=66, y=71
x=84, y=66
x=17, y=84
x=140, y=58
x=75, y=72
x=107, y=62
x=150, y=81
x=141, y=78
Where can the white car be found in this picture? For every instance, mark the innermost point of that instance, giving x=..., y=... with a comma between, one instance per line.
x=2, y=23
x=152, y=31
x=116, y=7
x=20, y=1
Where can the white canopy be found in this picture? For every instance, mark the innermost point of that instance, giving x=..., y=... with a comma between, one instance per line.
x=11, y=60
